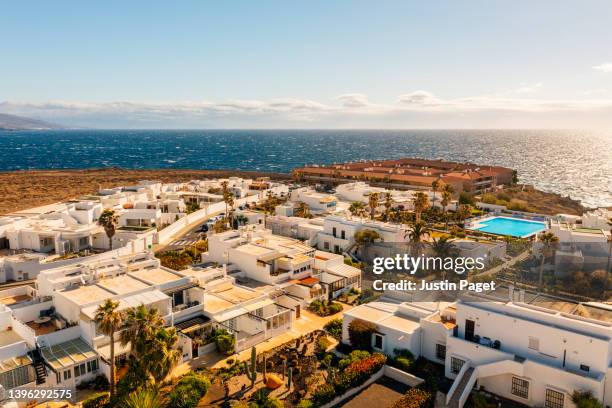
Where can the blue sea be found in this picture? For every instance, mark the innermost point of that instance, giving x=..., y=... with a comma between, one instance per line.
x=574, y=163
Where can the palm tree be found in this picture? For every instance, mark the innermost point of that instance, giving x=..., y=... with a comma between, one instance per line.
x=109, y=320
x=109, y=221
x=140, y=326
x=228, y=197
x=364, y=237
x=549, y=243
x=388, y=206
x=443, y=247
x=240, y=220
x=416, y=235
x=446, y=199
x=435, y=186
x=373, y=204
x=463, y=212
x=165, y=353
x=421, y=202
x=357, y=209
x=144, y=398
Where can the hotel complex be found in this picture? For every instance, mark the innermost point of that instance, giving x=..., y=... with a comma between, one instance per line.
x=411, y=174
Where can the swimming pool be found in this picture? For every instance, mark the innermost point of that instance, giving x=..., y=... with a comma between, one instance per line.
x=508, y=226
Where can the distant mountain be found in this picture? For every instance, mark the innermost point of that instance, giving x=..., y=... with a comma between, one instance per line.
x=13, y=122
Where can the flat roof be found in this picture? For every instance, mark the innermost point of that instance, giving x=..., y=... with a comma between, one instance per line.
x=400, y=322
x=214, y=304
x=85, y=294
x=236, y=294
x=122, y=284
x=255, y=249
x=8, y=337
x=369, y=313
x=156, y=276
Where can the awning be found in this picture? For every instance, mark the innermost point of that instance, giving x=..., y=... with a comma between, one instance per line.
x=258, y=305
x=14, y=362
x=68, y=353
x=181, y=288
x=230, y=314
x=192, y=324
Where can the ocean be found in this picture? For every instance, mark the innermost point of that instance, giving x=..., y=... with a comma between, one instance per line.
x=574, y=163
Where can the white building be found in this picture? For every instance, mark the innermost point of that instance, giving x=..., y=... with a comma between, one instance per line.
x=536, y=353
x=600, y=218
x=318, y=203
x=339, y=231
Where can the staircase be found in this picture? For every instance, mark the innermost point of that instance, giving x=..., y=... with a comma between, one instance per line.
x=39, y=366
x=465, y=378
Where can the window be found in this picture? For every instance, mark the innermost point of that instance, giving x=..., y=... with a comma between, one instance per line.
x=585, y=367
x=378, y=341
x=326, y=245
x=343, y=234
x=58, y=378
x=67, y=375
x=554, y=399
x=79, y=370
x=534, y=343
x=334, y=231
x=441, y=352
x=83, y=241
x=456, y=364
x=520, y=387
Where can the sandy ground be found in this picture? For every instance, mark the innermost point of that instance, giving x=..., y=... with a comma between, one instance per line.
x=26, y=189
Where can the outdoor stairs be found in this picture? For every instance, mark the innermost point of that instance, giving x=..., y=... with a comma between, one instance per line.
x=39, y=366
x=454, y=401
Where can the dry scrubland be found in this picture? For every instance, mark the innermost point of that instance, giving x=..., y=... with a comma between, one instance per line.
x=25, y=189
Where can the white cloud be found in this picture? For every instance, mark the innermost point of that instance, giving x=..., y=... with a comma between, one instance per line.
x=353, y=100
x=352, y=108
x=418, y=98
x=605, y=67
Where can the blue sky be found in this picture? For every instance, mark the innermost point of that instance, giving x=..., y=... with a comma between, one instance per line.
x=322, y=64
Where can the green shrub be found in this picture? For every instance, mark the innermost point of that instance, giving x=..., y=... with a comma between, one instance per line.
x=466, y=198
x=189, y=390
x=403, y=363
x=323, y=394
x=225, y=342
x=360, y=334
x=305, y=403
x=333, y=308
x=414, y=398
x=98, y=400
x=584, y=399
x=334, y=328
x=323, y=343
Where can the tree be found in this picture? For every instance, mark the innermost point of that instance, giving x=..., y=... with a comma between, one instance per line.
x=373, y=204
x=447, y=195
x=109, y=221
x=228, y=198
x=388, y=206
x=364, y=237
x=420, y=202
x=360, y=334
x=154, y=347
x=416, y=235
x=435, y=186
x=585, y=399
x=144, y=398
x=463, y=212
x=443, y=247
x=357, y=209
x=239, y=220
x=109, y=321
x=140, y=325
x=549, y=242
x=466, y=198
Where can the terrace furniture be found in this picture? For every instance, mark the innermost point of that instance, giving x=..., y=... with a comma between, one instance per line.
x=496, y=344
x=476, y=338
x=42, y=320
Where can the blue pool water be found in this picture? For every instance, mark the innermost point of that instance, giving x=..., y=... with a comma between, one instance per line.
x=510, y=226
